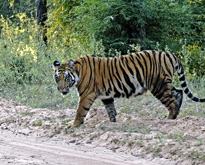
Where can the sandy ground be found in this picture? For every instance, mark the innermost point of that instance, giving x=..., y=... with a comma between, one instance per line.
x=37, y=136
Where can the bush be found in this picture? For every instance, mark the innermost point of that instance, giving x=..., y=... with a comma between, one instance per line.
x=26, y=73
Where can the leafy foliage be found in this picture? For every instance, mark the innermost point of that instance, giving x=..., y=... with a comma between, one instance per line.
x=100, y=27
x=123, y=22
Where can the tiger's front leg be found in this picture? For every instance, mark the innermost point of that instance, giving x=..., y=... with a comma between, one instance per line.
x=83, y=108
x=110, y=107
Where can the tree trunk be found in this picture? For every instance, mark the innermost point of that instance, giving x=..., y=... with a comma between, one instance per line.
x=42, y=17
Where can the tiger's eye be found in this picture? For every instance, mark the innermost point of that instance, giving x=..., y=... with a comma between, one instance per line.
x=66, y=77
x=56, y=77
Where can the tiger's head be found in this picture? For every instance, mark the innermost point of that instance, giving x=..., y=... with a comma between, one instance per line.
x=64, y=76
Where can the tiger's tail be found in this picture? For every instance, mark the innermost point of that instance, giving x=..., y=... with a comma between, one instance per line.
x=183, y=83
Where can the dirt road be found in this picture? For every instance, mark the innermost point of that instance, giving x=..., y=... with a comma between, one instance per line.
x=21, y=150
x=36, y=136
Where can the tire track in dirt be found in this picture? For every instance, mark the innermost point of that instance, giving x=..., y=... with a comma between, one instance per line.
x=22, y=151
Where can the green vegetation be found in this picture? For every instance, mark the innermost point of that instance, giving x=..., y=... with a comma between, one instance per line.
x=100, y=27
x=37, y=123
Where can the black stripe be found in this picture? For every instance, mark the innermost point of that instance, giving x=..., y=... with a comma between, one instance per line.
x=130, y=70
x=90, y=79
x=201, y=100
x=190, y=95
x=94, y=68
x=138, y=55
x=155, y=85
x=186, y=90
x=170, y=59
x=154, y=53
x=125, y=90
x=160, y=63
x=166, y=66
x=127, y=79
x=104, y=76
x=175, y=58
x=151, y=71
x=117, y=80
x=170, y=103
x=140, y=64
x=90, y=100
x=182, y=70
x=182, y=78
x=77, y=62
x=109, y=72
x=184, y=84
x=104, y=67
x=117, y=93
x=122, y=59
x=137, y=71
x=160, y=93
x=160, y=84
x=165, y=99
x=99, y=64
x=110, y=88
x=116, y=68
x=155, y=69
x=169, y=80
x=87, y=109
x=103, y=83
x=196, y=99
x=108, y=101
x=81, y=81
x=109, y=77
x=146, y=74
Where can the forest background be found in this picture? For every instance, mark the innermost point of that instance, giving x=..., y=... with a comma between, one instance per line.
x=73, y=28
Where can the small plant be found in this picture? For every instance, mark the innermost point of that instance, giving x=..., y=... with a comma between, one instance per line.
x=27, y=113
x=47, y=126
x=196, y=154
x=115, y=140
x=65, y=122
x=180, y=138
x=200, y=142
x=37, y=123
x=130, y=144
x=140, y=142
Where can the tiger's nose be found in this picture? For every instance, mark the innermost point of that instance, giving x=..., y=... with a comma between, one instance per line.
x=62, y=90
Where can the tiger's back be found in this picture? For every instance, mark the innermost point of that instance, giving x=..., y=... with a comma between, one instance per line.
x=126, y=76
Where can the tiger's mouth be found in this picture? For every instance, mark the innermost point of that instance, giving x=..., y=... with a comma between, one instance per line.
x=64, y=93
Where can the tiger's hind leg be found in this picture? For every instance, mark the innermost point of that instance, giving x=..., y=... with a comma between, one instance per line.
x=177, y=94
x=110, y=107
x=171, y=98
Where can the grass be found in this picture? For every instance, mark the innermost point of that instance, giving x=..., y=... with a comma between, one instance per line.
x=40, y=96
x=26, y=113
x=46, y=96
x=138, y=129
x=37, y=123
x=196, y=154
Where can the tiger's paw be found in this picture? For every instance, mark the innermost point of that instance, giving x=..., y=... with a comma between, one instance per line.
x=70, y=127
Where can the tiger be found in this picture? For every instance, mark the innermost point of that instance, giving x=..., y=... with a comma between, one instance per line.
x=123, y=76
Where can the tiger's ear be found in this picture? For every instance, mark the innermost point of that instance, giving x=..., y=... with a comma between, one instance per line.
x=71, y=65
x=56, y=63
